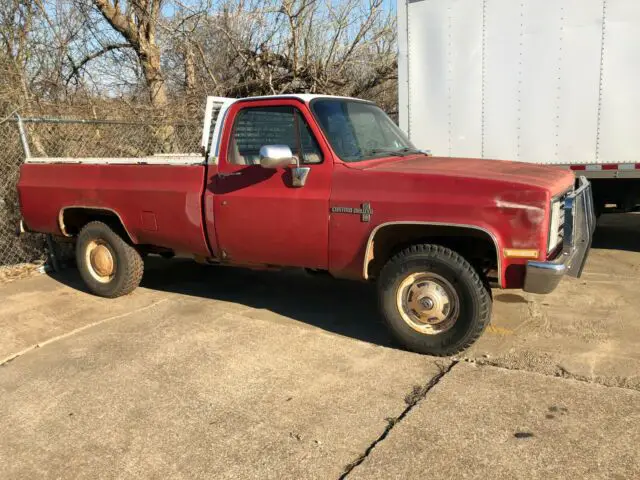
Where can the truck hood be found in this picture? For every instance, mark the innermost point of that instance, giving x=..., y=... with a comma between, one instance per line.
x=555, y=180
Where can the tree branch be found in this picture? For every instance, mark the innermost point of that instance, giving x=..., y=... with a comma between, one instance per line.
x=94, y=55
x=118, y=20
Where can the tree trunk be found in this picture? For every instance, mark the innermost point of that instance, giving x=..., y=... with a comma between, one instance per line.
x=149, y=56
x=189, y=70
x=150, y=62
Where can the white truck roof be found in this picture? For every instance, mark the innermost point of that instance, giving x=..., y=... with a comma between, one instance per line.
x=306, y=97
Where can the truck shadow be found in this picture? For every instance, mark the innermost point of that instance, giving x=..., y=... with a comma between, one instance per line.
x=618, y=231
x=338, y=306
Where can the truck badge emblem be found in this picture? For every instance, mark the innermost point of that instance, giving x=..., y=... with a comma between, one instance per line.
x=365, y=211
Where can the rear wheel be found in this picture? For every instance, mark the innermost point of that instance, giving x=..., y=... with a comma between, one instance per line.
x=109, y=266
x=433, y=300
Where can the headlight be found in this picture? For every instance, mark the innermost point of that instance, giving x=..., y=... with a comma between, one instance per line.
x=556, y=228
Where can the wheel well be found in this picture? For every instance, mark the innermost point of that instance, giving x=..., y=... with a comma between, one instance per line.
x=476, y=246
x=74, y=218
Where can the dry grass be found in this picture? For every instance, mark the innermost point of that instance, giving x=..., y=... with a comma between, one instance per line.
x=10, y=273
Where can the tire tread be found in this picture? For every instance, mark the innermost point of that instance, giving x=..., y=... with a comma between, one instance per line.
x=132, y=263
x=426, y=251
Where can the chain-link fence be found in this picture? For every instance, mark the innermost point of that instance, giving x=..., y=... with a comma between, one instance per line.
x=13, y=249
x=65, y=137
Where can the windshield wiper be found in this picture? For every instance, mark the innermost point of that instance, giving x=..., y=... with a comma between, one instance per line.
x=376, y=151
x=403, y=152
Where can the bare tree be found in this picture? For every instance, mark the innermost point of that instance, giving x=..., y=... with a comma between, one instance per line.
x=87, y=50
x=252, y=47
x=138, y=23
x=16, y=23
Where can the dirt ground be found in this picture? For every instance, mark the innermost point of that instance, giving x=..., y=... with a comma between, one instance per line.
x=588, y=328
x=222, y=373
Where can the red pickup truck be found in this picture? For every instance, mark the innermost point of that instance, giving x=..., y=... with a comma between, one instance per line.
x=330, y=184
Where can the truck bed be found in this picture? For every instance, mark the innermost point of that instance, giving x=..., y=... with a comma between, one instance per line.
x=157, y=198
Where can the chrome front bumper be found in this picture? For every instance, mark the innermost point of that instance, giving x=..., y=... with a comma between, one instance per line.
x=580, y=222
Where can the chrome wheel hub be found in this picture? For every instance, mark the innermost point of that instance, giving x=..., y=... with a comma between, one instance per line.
x=428, y=303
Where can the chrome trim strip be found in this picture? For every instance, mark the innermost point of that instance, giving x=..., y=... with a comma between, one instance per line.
x=365, y=273
x=556, y=267
x=175, y=160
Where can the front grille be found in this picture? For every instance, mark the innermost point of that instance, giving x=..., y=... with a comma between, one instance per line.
x=561, y=223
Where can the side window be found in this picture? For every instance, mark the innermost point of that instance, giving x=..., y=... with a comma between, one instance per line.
x=255, y=127
x=308, y=151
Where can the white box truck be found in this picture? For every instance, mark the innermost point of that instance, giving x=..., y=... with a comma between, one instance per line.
x=544, y=81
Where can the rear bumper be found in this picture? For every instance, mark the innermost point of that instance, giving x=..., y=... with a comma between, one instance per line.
x=580, y=222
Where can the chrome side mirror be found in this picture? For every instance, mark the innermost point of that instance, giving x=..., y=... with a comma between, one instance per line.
x=275, y=156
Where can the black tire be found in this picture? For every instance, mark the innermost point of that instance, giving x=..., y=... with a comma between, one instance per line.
x=128, y=266
x=473, y=304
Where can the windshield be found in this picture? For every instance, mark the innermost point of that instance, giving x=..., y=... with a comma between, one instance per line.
x=360, y=131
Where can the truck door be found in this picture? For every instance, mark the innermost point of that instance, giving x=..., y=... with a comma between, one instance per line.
x=259, y=216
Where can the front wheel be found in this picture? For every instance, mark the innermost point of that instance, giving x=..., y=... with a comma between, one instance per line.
x=109, y=266
x=433, y=301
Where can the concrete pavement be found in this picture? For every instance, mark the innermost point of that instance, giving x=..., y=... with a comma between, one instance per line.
x=487, y=422
x=220, y=373
x=186, y=389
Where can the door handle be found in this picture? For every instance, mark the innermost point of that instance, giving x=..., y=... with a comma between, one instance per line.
x=230, y=174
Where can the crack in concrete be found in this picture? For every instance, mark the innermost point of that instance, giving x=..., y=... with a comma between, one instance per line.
x=411, y=399
x=559, y=371
x=5, y=361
